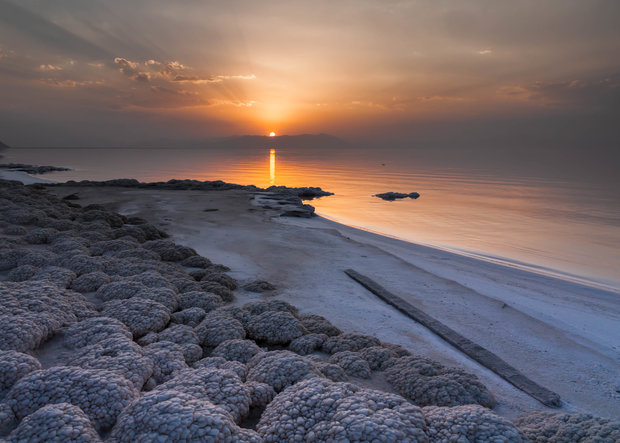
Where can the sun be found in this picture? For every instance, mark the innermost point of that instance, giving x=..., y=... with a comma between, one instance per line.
x=272, y=134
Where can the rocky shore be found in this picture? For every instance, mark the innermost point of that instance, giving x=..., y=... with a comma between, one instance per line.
x=109, y=330
x=31, y=169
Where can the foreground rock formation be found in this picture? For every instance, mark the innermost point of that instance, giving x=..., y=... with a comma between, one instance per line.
x=109, y=330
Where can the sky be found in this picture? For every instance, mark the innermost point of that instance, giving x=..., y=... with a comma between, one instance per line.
x=429, y=72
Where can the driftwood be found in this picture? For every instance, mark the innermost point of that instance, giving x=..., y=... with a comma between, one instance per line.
x=473, y=350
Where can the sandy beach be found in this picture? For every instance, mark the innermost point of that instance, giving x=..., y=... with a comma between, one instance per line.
x=556, y=332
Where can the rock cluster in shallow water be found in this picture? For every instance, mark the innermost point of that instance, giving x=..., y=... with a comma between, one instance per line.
x=110, y=329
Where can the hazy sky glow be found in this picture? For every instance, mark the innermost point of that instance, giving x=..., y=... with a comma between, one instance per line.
x=118, y=72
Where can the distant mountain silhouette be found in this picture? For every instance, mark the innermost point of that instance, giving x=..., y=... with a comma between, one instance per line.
x=308, y=141
x=304, y=141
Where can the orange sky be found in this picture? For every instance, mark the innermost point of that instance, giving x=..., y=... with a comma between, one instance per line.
x=124, y=72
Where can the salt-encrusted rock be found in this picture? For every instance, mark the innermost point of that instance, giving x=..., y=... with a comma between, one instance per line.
x=470, y=423
x=120, y=290
x=31, y=313
x=352, y=363
x=131, y=231
x=174, y=416
x=22, y=273
x=117, y=354
x=140, y=315
x=66, y=242
x=217, y=327
x=141, y=232
x=556, y=427
x=59, y=422
x=163, y=296
x=221, y=387
x=90, y=282
x=152, y=279
x=8, y=259
x=186, y=284
x=261, y=394
x=398, y=350
x=332, y=371
x=180, y=334
x=60, y=277
x=280, y=369
x=428, y=383
x=20, y=333
x=318, y=325
x=148, y=339
x=258, y=307
x=168, y=359
x=274, y=327
x=377, y=357
x=306, y=344
x=221, y=278
x=93, y=330
x=221, y=363
x=7, y=419
x=210, y=286
x=190, y=316
x=13, y=366
x=349, y=342
x=196, y=261
x=101, y=394
x=320, y=410
x=259, y=286
x=82, y=264
x=14, y=230
x=169, y=251
x=39, y=236
x=199, y=299
x=238, y=350
x=38, y=258
x=236, y=312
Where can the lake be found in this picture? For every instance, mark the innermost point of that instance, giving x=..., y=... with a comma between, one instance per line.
x=566, y=227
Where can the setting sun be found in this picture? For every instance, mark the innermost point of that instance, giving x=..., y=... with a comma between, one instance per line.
x=272, y=134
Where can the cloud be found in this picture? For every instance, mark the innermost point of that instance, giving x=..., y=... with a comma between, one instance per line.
x=49, y=67
x=127, y=67
x=131, y=70
x=170, y=72
x=604, y=92
x=485, y=52
x=72, y=83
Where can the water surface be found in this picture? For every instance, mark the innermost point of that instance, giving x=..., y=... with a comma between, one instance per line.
x=563, y=226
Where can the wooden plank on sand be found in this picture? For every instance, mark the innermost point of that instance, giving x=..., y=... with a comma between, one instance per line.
x=473, y=350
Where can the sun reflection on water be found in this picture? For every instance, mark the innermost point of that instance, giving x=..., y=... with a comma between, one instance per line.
x=272, y=167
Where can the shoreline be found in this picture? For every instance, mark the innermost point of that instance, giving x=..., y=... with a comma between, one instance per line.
x=131, y=305
x=524, y=317
x=497, y=260
x=554, y=331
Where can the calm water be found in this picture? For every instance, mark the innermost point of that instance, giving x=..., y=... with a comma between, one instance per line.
x=564, y=227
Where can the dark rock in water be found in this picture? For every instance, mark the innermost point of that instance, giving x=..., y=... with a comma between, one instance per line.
x=304, y=211
x=31, y=169
x=304, y=193
x=259, y=286
x=391, y=196
x=210, y=210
